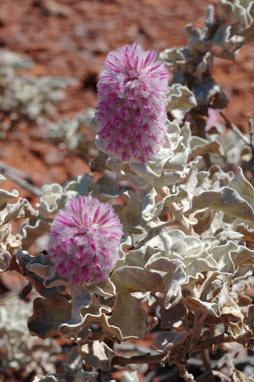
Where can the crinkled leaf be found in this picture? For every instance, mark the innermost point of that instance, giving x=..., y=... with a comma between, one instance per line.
x=136, y=257
x=196, y=266
x=130, y=279
x=129, y=316
x=5, y=196
x=231, y=311
x=98, y=355
x=20, y=209
x=9, y=244
x=211, y=286
x=175, y=314
x=222, y=254
x=228, y=42
x=151, y=209
x=226, y=200
x=35, y=269
x=175, y=56
x=48, y=316
x=200, y=146
x=174, y=277
x=148, y=201
x=240, y=184
x=243, y=256
x=202, y=306
x=238, y=12
x=208, y=91
x=130, y=216
x=105, y=289
x=54, y=197
x=180, y=100
x=31, y=230
x=96, y=314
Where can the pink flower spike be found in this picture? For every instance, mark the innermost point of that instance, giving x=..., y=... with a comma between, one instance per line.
x=84, y=241
x=132, y=89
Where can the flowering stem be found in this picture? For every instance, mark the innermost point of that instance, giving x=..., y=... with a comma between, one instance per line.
x=157, y=358
x=137, y=359
x=220, y=339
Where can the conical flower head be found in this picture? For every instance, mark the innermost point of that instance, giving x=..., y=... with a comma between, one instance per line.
x=131, y=111
x=85, y=239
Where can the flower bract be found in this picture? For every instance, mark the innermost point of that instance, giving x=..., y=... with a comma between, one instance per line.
x=85, y=239
x=131, y=111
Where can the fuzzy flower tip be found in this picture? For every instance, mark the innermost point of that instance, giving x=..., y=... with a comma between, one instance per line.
x=131, y=111
x=85, y=239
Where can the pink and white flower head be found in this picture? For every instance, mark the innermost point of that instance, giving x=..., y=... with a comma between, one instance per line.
x=85, y=239
x=131, y=112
